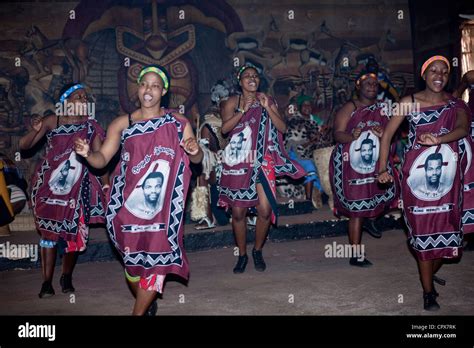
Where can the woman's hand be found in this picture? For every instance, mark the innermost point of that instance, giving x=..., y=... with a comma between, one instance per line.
x=385, y=178
x=82, y=147
x=356, y=133
x=36, y=123
x=264, y=100
x=191, y=146
x=428, y=139
x=248, y=101
x=378, y=131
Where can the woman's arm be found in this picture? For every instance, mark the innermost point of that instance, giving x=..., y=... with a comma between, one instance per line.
x=386, y=139
x=340, y=124
x=190, y=145
x=39, y=127
x=461, y=130
x=389, y=131
x=100, y=158
x=230, y=118
x=273, y=112
x=96, y=145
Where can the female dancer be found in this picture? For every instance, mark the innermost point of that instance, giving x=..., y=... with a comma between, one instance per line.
x=431, y=172
x=359, y=125
x=254, y=156
x=66, y=196
x=145, y=214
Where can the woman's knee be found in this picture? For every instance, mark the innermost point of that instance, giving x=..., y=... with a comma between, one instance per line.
x=238, y=215
x=264, y=213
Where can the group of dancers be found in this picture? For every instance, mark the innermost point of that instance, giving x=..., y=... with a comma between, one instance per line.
x=143, y=201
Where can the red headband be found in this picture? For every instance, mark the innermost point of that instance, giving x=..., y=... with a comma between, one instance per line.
x=434, y=59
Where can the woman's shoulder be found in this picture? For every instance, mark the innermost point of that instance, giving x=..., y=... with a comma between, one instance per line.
x=231, y=101
x=179, y=116
x=119, y=123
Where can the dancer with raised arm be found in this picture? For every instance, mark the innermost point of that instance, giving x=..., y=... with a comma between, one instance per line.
x=145, y=214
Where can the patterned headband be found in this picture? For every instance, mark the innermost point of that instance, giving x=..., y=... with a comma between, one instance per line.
x=156, y=70
x=70, y=91
x=434, y=59
x=245, y=67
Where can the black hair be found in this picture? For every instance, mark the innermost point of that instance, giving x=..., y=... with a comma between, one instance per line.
x=434, y=157
x=154, y=175
x=367, y=141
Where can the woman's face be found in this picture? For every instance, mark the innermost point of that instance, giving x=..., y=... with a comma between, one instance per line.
x=249, y=80
x=306, y=108
x=79, y=99
x=369, y=88
x=150, y=90
x=436, y=76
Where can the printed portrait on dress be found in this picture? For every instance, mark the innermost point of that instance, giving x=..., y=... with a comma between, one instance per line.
x=147, y=198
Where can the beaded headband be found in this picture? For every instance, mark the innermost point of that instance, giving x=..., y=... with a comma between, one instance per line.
x=70, y=91
x=157, y=71
x=245, y=67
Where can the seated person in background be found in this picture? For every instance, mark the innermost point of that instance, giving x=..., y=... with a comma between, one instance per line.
x=205, y=195
x=16, y=184
x=305, y=107
x=300, y=140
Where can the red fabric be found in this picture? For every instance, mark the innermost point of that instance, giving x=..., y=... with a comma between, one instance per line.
x=145, y=214
x=63, y=185
x=431, y=189
x=251, y=141
x=354, y=167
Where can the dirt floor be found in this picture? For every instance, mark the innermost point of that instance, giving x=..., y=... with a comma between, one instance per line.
x=299, y=280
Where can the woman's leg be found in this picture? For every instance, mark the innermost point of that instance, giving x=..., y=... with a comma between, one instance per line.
x=426, y=274
x=264, y=211
x=355, y=230
x=48, y=261
x=49, y=256
x=239, y=226
x=143, y=300
x=426, y=268
x=69, y=262
x=355, y=239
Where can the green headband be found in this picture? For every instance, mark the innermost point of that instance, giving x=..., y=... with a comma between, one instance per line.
x=156, y=70
x=301, y=99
